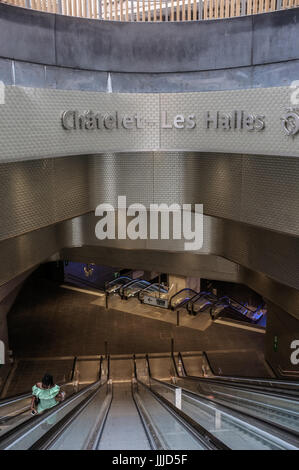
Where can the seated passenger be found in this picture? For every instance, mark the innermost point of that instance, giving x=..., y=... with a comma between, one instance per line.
x=45, y=395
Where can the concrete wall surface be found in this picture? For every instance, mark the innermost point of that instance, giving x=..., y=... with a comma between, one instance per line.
x=55, y=51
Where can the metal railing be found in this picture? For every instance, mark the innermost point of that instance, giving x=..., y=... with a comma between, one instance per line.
x=155, y=10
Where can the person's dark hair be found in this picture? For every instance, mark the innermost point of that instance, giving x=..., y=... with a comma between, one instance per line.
x=47, y=380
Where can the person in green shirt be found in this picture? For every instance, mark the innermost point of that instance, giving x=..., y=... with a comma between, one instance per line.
x=45, y=395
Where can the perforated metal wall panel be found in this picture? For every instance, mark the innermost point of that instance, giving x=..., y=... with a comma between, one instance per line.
x=128, y=174
x=269, y=102
x=270, y=192
x=238, y=176
x=31, y=126
x=258, y=190
x=39, y=193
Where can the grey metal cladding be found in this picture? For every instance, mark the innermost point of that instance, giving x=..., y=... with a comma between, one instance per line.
x=270, y=102
x=31, y=123
x=129, y=174
x=254, y=189
x=71, y=187
x=258, y=190
x=220, y=188
x=171, y=177
x=39, y=193
x=262, y=251
x=26, y=196
x=270, y=192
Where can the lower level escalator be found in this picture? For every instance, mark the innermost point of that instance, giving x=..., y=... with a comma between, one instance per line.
x=116, y=412
x=240, y=417
x=123, y=428
x=142, y=405
x=276, y=406
x=234, y=429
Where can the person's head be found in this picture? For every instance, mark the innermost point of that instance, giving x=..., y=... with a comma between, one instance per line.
x=47, y=380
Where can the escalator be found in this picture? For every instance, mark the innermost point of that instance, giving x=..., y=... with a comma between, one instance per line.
x=138, y=420
x=133, y=288
x=261, y=399
x=201, y=302
x=20, y=430
x=241, y=417
x=181, y=298
x=274, y=386
x=155, y=290
x=113, y=286
x=150, y=402
x=233, y=309
x=17, y=410
x=118, y=411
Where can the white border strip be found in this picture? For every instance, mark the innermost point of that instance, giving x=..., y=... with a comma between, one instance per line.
x=243, y=327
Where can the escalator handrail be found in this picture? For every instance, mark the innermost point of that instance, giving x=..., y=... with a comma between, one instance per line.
x=95, y=439
x=194, y=299
x=259, y=387
x=199, y=431
x=154, y=441
x=174, y=364
x=115, y=280
x=108, y=367
x=15, y=398
x=225, y=407
x=184, y=301
x=133, y=284
x=245, y=306
x=135, y=366
x=48, y=438
x=262, y=380
x=142, y=290
x=148, y=365
x=256, y=381
x=125, y=286
x=21, y=428
x=182, y=362
x=74, y=368
x=18, y=412
x=23, y=396
x=293, y=434
x=205, y=355
x=101, y=367
x=162, y=289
